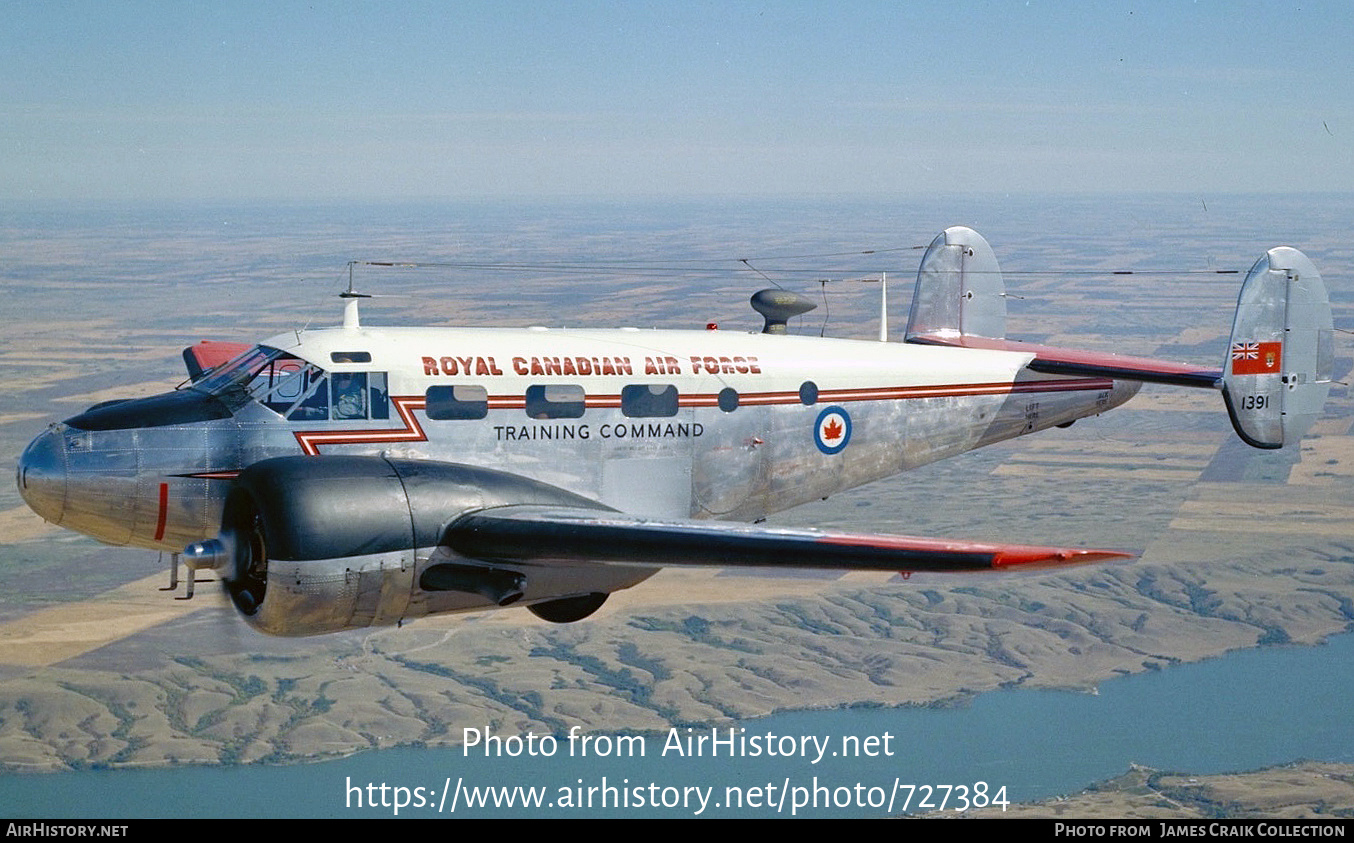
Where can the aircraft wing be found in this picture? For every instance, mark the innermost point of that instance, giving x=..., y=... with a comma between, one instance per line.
x=1064, y=361
x=554, y=534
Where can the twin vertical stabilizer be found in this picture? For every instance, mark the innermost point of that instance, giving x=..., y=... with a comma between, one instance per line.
x=1274, y=380
x=1278, y=369
x=960, y=291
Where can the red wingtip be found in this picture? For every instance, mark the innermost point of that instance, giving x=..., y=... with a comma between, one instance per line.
x=1008, y=556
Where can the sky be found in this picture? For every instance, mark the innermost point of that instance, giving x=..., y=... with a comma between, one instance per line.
x=337, y=100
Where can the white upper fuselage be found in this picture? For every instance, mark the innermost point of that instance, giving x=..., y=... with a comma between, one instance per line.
x=700, y=363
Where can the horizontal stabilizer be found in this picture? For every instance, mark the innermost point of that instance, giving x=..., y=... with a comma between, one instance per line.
x=1276, y=376
x=546, y=534
x=1065, y=361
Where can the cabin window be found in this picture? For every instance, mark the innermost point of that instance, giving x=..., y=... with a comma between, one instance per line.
x=642, y=401
x=457, y=403
x=556, y=401
x=728, y=399
x=808, y=393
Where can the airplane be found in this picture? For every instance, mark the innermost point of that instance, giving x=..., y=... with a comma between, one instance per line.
x=358, y=476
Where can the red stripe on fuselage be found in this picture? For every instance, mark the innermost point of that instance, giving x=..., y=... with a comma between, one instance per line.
x=164, y=512
x=405, y=405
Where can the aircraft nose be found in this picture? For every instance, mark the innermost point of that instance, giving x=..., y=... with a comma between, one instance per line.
x=42, y=475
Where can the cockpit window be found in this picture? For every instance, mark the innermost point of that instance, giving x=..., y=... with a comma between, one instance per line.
x=285, y=384
x=299, y=390
x=358, y=395
x=307, y=383
x=350, y=395
x=238, y=371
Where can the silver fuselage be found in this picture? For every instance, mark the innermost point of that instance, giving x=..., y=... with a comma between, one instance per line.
x=734, y=429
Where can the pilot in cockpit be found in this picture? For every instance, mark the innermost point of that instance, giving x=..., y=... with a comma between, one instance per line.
x=350, y=395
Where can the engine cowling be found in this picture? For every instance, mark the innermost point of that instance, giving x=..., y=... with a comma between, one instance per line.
x=311, y=545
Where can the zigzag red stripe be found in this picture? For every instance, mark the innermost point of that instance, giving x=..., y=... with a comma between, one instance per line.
x=405, y=405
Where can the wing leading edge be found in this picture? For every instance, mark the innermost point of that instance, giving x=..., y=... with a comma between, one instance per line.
x=550, y=534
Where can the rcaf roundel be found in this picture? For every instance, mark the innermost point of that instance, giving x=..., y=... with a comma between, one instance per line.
x=832, y=431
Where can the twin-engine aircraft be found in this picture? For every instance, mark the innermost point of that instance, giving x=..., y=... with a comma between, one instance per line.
x=357, y=476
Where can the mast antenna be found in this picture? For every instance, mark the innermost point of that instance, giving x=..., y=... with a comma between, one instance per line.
x=883, y=307
x=350, y=316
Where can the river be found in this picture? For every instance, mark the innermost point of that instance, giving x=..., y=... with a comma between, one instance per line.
x=1249, y=709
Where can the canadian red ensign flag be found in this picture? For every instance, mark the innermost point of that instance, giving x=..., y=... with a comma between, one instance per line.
x=1256, y=358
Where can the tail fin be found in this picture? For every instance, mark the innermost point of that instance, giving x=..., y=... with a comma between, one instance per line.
x=1276, y=376
x=959, y=290
x=1278, y=371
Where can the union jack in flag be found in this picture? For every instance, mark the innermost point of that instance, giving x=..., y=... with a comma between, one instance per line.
x=1255, y=358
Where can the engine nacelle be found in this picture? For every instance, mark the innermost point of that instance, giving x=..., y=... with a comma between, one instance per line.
x=311, y=545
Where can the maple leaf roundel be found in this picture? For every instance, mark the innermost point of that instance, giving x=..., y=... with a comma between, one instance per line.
x=832, y=430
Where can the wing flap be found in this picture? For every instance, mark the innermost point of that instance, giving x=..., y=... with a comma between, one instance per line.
x=1051, y=360
x=543, y=534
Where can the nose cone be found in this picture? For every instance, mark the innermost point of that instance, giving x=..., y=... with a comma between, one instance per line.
x=42, y=475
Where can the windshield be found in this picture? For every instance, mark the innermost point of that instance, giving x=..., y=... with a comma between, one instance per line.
x=287, y=385
x=237, y=371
